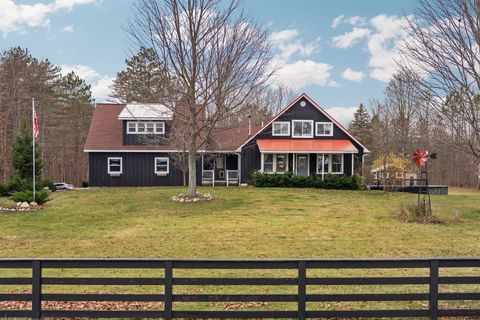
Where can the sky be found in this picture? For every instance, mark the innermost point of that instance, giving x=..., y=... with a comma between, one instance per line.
x=340, y=52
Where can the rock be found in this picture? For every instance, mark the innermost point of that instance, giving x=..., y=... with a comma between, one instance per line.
x=24, y=205
x=19, y=204
x=34, y=205
x=182, y=200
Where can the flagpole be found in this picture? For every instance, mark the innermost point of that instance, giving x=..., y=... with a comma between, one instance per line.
x=33, y=141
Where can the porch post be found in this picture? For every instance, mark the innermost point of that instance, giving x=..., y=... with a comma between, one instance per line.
x=353, y=156
x=239, y=168
x=261, y=162
x=294, y=166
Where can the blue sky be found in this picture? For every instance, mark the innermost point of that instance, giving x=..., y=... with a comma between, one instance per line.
x=339, y=52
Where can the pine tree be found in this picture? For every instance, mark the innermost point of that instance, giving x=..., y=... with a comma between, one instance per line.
x=144, y=80
x=22, y=156
x=361, y=126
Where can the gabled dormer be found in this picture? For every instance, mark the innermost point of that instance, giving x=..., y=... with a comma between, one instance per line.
x=145, y=122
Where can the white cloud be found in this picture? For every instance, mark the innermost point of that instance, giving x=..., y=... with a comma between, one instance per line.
x=102, y=88
x=354, y=21
x=342, y=114
x=83, y=71
x=19, y=17
x=348, y=39
x=288, y=44
x=68, y=29
x=351, y=75
x=283, y=35
x=69, y=4
x=382, y=42
x=383, y=45
x=304, y=73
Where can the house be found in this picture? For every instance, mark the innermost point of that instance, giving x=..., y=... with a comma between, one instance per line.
x=303, y=139
x=393, y=176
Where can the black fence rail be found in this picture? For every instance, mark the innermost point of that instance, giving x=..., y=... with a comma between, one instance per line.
x=300, y=282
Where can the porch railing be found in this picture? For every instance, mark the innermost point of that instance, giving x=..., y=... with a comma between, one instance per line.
x=232, y=177
x=208, y=176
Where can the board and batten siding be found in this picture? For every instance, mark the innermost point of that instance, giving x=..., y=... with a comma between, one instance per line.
x=138, y=170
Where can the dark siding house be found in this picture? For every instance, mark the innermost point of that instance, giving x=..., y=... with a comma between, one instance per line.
x=131, y=145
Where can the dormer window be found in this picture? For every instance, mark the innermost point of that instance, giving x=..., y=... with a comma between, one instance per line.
x=145, y=127
x=281, y=128
x=302, y=129
x=324, y=129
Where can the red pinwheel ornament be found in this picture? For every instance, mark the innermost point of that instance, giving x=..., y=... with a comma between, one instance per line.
x=420, y=157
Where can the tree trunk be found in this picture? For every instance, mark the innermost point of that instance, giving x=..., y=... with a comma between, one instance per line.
x=192, y=172
x=184, y=173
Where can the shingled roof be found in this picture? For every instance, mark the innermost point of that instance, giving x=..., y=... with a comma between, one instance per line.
x=106, y=134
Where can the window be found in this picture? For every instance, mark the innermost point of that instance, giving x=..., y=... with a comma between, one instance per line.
x=275, y=163
x=337, y=163
x=302, y=128
x=281, y=128
x=330, y=163
x=161, y=165
x=268, y=162
x=114, y=166
x=324, y=129
x=141, y=127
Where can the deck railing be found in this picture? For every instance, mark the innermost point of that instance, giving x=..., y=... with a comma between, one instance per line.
x=304, y=281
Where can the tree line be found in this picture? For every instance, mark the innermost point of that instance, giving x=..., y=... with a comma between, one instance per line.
x=64, y=108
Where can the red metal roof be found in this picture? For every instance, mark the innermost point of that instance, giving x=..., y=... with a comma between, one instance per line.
x=305, y=145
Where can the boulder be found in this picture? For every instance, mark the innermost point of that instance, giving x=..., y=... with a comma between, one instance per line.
x=34, y=205
x=19, y=204
x=24, y=205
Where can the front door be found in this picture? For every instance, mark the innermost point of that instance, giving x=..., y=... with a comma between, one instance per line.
x=302, y=165
x=220, y=172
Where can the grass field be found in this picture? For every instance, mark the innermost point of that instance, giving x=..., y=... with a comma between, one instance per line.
x=241, y=223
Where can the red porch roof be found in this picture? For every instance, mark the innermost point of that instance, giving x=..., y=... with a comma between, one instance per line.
x=306, y=145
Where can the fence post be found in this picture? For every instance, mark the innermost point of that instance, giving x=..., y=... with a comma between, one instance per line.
x=36, y=289
x=433, y=291
x=302, y=289
x=168, y=290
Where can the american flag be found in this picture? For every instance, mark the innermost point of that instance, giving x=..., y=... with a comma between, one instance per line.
x=35, y=123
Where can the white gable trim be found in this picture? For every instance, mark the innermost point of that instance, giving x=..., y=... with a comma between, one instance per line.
x=304, y=95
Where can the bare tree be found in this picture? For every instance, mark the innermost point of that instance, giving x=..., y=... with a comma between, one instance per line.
x=443, y=46
x=218, y=56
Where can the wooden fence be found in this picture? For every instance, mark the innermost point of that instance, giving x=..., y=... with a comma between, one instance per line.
x=301, y=268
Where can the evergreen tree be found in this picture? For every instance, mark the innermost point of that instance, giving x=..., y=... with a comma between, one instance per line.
x=22, y=155
x=361, y=126
x=144, y=80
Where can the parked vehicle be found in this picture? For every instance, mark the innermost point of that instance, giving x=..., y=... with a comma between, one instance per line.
x=63, y=186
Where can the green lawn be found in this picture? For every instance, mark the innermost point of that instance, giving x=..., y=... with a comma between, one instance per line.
x=241, y=223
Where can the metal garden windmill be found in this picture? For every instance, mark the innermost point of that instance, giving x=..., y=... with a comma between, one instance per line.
x=420, y=157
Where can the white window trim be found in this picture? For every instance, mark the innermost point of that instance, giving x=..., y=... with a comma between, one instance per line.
x=160, y=173
x=320, y=169
x=322, y=134
x=281, y=134
x=114, y=173
x=302, y=136
x=162, y=123
x=274, y=163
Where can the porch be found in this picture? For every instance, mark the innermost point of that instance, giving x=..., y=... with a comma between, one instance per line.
x=220, y=169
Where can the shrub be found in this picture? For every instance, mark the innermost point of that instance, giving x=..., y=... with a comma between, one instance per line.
x=40, y=197
x=4, y=191
x=288, y=179
x=415, y=214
